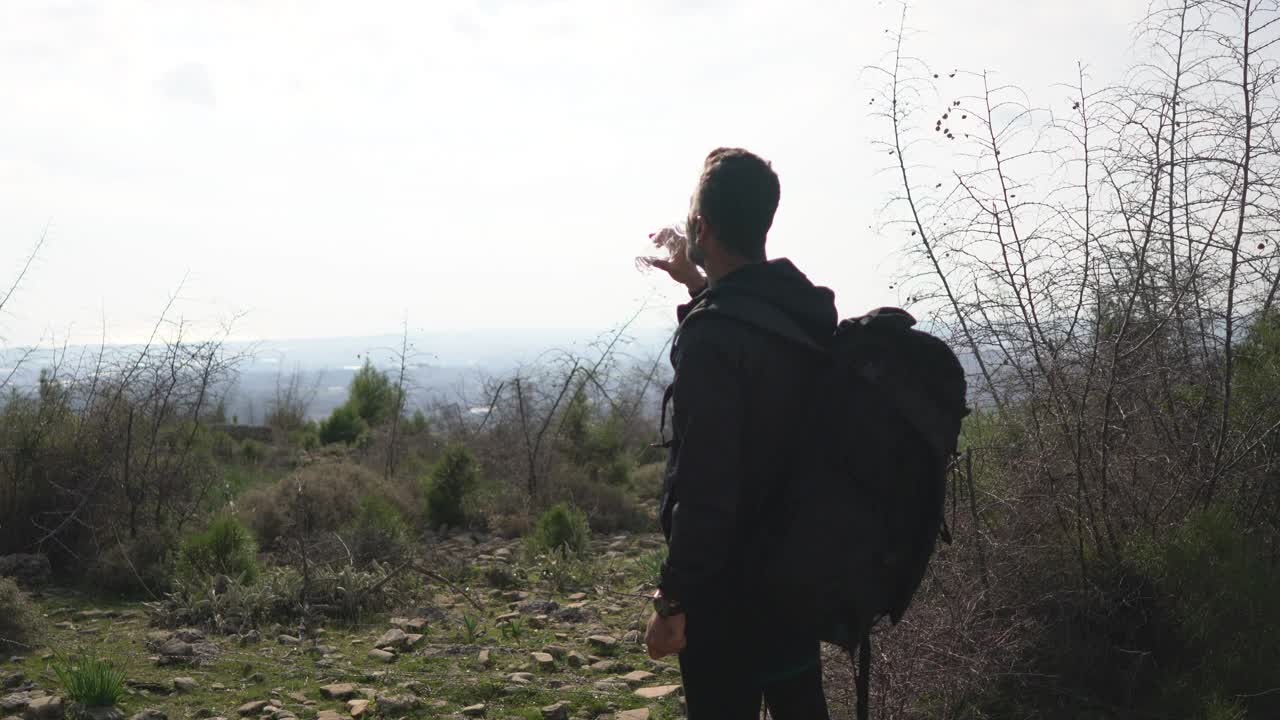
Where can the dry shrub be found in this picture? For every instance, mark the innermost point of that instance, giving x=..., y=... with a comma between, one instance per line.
x=19, y=619
x=325, y=496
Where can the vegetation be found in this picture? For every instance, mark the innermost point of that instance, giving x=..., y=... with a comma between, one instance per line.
x=89, y=681
x=20, y=621
x=224, y=548
x=447, y=487
x=561, y=529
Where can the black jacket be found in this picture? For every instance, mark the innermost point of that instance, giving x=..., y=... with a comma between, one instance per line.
x=737, y=394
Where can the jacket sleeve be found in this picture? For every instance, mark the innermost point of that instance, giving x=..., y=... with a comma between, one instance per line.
x=705, y=473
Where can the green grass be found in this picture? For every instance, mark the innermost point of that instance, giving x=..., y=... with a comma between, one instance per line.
x=89, y=681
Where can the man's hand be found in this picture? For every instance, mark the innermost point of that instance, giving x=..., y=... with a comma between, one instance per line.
x=677, y=263
x=664, y=636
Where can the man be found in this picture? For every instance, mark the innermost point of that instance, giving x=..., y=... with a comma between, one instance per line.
x=736, y=397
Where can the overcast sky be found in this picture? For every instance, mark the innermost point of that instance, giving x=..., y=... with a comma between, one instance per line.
x=324, y=169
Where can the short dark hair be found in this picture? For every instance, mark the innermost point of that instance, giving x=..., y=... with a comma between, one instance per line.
x=738, y=194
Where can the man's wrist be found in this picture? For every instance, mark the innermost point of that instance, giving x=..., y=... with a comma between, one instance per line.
x=666, y=606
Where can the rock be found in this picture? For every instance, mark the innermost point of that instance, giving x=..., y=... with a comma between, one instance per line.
x=252, y=637
x=27, y=569
x=413, y=640
x=185, y=684
x=190, y=635
x=603, y=643
x=330, y=715
x=543, y=660
x=13, y=680
x=605, y=666
x=558, y=711
x=610, y=686
x=507, y=617
x=253, y=707
x=476, y=710
x=638, y=714
x=577, y=597
x=15, y=702
x=338, y=691
x=289, y=640
x=149, y=714
x=484, y=659
x=556, y=651
x=176, y=648
x=203, y=714
x=416, y=625
x=46, y=707
x=298, y=697
x=357, y=708
x=538, y=607
x=394, y=638
x=632, y=638
x=576, y=659
x=637, y=678
x=396, y=705
x=382, y=656
x=103, y=713
x=657, y=692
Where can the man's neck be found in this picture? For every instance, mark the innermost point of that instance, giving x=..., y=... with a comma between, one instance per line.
x=721, y=267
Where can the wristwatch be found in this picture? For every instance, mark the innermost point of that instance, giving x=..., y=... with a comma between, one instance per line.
x=665, y=606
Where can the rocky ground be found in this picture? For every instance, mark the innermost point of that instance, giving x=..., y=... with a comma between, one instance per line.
x=523, y=653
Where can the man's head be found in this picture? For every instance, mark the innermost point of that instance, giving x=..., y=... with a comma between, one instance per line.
x=733, y=207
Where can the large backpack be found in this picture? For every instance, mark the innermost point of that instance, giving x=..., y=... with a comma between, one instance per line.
x=852, y=527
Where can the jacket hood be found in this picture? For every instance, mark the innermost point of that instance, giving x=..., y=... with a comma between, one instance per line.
x=780, y=283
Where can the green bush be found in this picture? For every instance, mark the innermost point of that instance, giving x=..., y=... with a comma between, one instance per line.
x=306, y=437
x=451, y=480
x=647, y=480
x=379, y=532
x=561, y=529
x=1216, y=585
x=225, y=548
x=90, y=682
x=344, y=425
x=19, y=620
x=252, y=451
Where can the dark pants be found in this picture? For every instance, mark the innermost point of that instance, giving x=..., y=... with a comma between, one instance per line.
x=731, y=663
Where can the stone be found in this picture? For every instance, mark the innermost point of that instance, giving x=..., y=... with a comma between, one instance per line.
x=476, y=710
x=177, y=648
x=286, y=639
x=396, y=705
x=603, y=643
x=108, y=712
x=637, y=678
x=610, y=686
x=15, y=702
x=330, y=715
x=507, y=617
x=358, y=708
x=638, y=714
x=149, y=714
x=577, y=597
x=298, y=697
x=538, y=607
x=484, y=659
x=556, y=711
x=413, y=640
x=520, y=678
x=556, y=651
x=394, y=638
x=185, y=684
x=416, y=625
x=657, y=692
x=253, y=707
x=632, y=638
x=338, y=691
x=382, y=656
x=47, y=707
x=253, y=637
x=605, y=666
x=543, y=660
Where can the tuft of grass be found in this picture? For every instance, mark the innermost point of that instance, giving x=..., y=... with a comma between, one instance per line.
x=470, y=628
x=89, y=681
x=650, y=564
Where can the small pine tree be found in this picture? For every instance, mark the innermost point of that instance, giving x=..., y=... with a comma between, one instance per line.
x=344, y=425
x=373, y=396
x=450, y=481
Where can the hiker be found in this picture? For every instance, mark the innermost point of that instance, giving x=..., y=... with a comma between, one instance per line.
x=735, y=399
